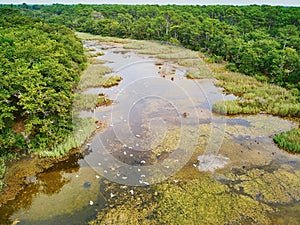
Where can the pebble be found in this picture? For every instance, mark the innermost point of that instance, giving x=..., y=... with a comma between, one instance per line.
x=91, y=203
x=105, y=171
x=194, y=165
x=143, y=161
x=132, y=192
x=139, y=169
x=112, y=195
x=131, y=155
x=124, y=178
x=125, y=153
x=130, y=147
x=143, y=175
x=77, y=175
x=138, y=136
x=99, y=164
x=97, y=176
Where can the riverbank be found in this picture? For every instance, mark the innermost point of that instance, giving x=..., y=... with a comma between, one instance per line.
x=18, y=171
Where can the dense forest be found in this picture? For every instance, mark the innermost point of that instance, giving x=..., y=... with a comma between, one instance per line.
x=261, y=41
x=40, y=66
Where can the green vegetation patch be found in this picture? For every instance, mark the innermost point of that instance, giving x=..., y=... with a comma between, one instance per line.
x=93, y=76
x=2, y=171
x=289, y=140
x=196, y=201
x=279, y=186
x=89, y=101
x=83, y=129
x=256, y=96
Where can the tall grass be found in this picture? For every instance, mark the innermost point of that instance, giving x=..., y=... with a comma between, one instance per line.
x=289, y=140
x=256, y=96
x=83, y=129
x=93, y=76
x=89, y=101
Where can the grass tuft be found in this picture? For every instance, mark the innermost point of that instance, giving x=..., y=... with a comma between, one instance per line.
x=289, y=140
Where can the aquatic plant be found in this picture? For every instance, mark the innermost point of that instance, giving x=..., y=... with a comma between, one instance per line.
x=279, y=186
x=195, y=201
x=289, y=140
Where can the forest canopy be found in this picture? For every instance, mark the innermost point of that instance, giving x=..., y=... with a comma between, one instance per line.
x=40, y=66
x=260, y=41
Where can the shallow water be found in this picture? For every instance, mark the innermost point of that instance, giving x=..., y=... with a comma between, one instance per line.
x=157, y=127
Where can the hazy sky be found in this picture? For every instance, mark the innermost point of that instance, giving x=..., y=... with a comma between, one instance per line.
x=161, y=2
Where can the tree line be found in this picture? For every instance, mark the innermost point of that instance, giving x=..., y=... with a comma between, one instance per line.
x=40, y=67
x=261, y=41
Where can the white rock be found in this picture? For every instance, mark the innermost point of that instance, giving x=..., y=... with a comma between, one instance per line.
x=91, y=203
x=131, y=191
x=143, y=161
x=97, y=176
x=112, y=195
x=125, y=153
x=138, y=136
x=124, y=178
x=131, y=155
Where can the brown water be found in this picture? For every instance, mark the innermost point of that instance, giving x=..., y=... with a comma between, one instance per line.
x=157, y=127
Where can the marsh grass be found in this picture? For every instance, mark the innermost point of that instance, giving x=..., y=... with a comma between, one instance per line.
x=93, y=76
x=83, y=129
x=87, y=36
x=96, y=54
x=89, y=101
x=289, y=140
x=111, y=81
x=255, y=96
x=96, y=61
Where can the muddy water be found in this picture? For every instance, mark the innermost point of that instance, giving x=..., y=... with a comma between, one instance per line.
x=159, y=128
